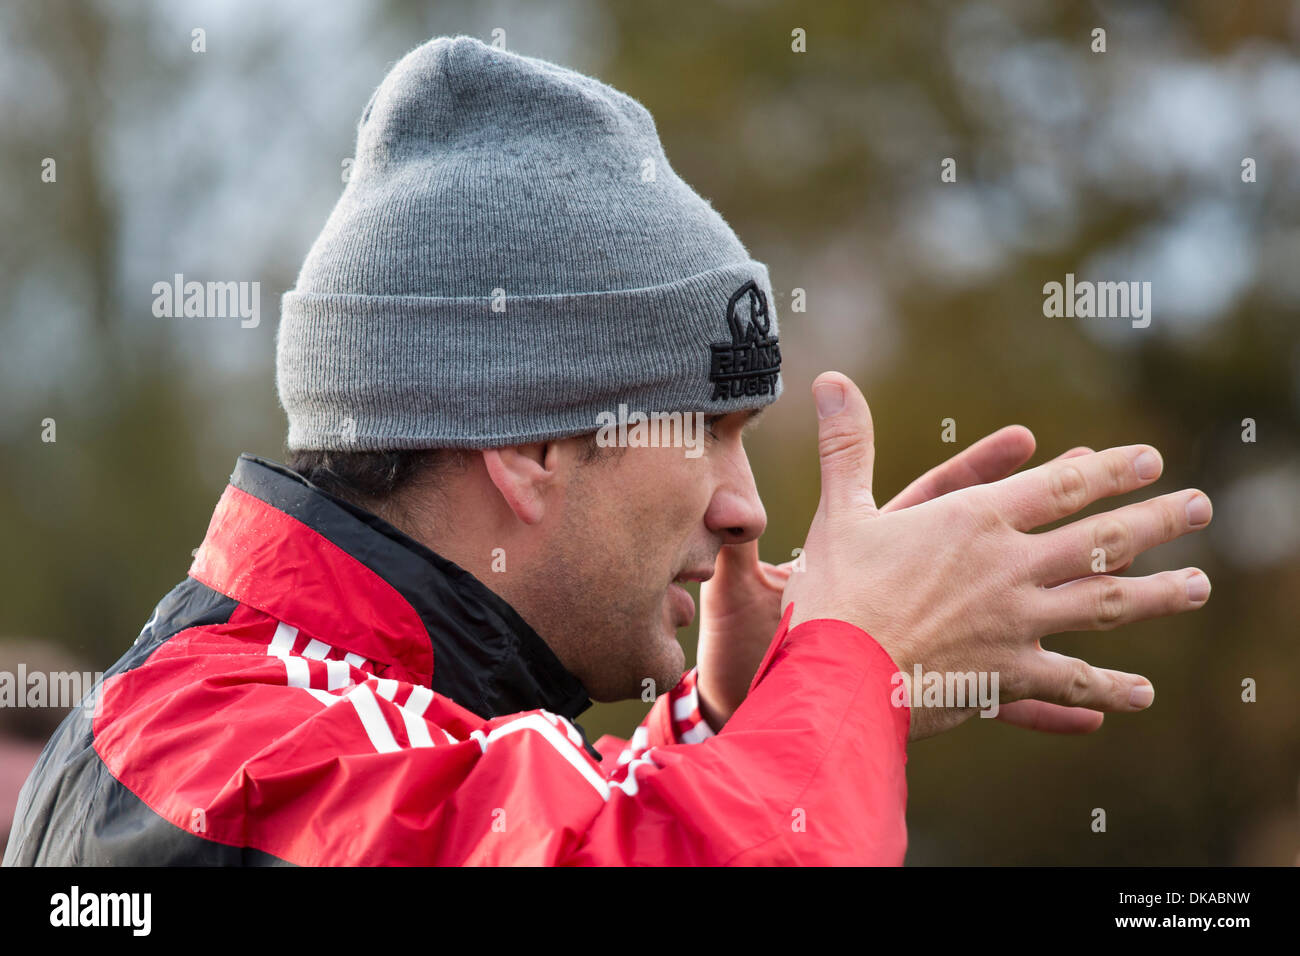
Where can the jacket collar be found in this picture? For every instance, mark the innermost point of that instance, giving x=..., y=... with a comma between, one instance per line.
x=338, y=572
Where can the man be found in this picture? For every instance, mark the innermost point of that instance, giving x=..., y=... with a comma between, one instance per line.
x=379, y=652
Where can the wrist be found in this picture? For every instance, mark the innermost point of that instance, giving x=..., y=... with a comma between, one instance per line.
x=715, y=711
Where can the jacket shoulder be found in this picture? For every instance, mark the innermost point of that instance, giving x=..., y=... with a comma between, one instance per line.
x=73, y=811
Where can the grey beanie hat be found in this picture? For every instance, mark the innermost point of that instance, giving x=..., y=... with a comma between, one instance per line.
x=513, y=255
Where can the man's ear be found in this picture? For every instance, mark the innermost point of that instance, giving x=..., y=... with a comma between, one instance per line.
x=522, y=474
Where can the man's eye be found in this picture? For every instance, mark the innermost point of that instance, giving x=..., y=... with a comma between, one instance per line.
x=710, y=422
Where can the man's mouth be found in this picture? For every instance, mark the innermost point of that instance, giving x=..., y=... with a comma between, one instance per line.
x=683, y=603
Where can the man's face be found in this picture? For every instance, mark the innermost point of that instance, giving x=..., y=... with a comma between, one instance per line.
x=634, y=525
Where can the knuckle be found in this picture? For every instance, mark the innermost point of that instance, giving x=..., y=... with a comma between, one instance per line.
x=1009, y=681
x=1014, y=683
x=1078, y=682
x=1111, y=604
x=1171, y=523
x=1118, y=471
x=1022, y=554
x=982, y=516
x=1069, y=488
x=971, y=512
x=1015, y=613
x=1114, y=538
x=838, y=438
x=1022, y=677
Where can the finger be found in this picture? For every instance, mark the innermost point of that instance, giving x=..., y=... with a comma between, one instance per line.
x=1060, y=488
x=1117, y=569
x=734, y=561
x=992, y=457
x=845, y=444
x=1050, y=718
x=1071, y=682
x=1108, y=542
x=780, y=571
x=1074, y=453
x=1104, y=602
x=776, y=577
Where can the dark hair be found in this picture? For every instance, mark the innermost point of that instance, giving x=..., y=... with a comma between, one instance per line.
x=374, y=479
x=367, y=477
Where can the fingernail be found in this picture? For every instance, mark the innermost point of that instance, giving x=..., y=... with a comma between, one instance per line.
x=829, y=397
x=1141, y=696
x=1198, y=511
x=1198, y=588
x=1147, y=465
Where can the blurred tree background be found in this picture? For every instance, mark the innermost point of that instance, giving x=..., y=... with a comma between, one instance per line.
x=1123, y=165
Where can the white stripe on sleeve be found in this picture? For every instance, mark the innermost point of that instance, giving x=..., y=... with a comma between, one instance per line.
x=372, y=718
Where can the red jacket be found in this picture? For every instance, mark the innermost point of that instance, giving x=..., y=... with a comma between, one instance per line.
x=283, y=706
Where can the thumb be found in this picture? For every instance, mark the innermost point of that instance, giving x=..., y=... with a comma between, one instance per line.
x=846, y=443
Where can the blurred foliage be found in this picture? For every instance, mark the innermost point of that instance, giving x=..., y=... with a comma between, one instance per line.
x=1122, y=165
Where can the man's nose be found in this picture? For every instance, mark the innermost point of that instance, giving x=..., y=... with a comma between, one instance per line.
x=736, y=512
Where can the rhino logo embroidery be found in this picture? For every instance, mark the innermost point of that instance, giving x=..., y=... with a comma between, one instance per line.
x=750, y=362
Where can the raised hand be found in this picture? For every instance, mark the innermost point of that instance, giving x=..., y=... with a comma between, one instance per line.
x=958, y=584
x=740, y=606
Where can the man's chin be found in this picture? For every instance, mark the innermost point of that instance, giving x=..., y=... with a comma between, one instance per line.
x=659, y=662
x=674, y=663
x=664, y=665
